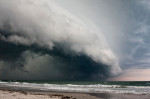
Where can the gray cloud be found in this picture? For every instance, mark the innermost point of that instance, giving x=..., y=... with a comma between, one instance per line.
x=138, y=37
x=42, y=26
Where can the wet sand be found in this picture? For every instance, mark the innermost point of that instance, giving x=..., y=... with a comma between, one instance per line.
x=120, y=96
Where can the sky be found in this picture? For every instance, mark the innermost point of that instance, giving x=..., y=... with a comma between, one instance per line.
x=75, y=40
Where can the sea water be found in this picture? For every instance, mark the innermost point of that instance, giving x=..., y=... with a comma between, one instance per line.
x=133, y=87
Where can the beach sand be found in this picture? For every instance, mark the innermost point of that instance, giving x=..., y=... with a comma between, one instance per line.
x=11, y=94
x=120, y=96
x=6, y=93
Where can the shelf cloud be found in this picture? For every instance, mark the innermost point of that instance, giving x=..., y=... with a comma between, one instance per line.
x=41, y=40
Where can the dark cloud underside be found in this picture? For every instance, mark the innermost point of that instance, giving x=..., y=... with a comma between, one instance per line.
x=73, y=67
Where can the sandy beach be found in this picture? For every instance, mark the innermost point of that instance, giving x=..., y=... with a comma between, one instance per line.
x=7, y=92
x=4, y=94
x=11, y=94
x=18, y=94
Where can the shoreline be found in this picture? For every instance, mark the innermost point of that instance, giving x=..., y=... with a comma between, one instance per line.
x=19, y=93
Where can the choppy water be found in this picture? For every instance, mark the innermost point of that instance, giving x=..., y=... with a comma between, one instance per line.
x=90, y=87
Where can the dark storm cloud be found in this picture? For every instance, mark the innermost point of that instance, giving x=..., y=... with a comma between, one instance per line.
x=40, y=40
x=15, y=59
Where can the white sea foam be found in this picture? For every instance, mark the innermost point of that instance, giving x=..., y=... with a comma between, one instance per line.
x=96, y=88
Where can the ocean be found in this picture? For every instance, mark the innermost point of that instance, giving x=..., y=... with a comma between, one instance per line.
x=131, y=87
